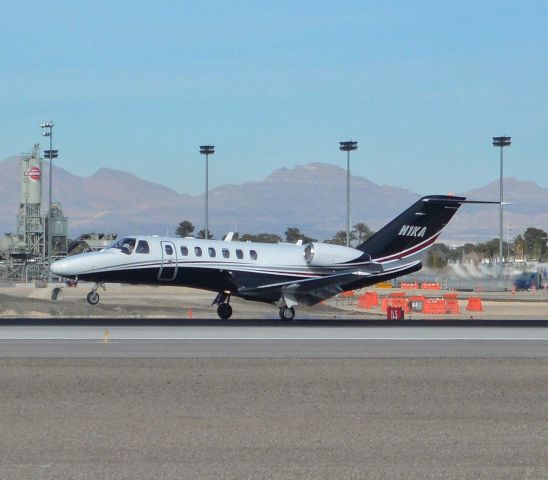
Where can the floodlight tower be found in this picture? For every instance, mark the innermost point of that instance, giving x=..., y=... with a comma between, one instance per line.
x=207, y=150
x=49, y=154
x=501, y=142
x=347, y=147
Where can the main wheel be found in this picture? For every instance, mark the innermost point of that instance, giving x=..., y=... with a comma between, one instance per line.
x=224, y=310
x=93, y=298
x=287, y=313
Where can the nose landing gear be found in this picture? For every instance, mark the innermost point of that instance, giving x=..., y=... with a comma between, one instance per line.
x=93, y=297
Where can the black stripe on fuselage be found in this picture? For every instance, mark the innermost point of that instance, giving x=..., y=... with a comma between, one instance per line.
x=214, y=279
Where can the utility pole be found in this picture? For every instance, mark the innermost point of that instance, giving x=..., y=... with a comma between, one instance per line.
x=501, y=142
x=50, y=155
x=207, y=150
x=348, y=147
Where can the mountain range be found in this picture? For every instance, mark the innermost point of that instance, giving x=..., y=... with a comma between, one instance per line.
x=311, y=197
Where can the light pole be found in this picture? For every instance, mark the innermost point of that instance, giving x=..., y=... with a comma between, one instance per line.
x=207, y=150
x=501, y=142
x=49, y=154
x=348, y=147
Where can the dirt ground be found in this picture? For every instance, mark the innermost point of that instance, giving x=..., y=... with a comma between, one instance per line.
x=274, y=419
x=178, y=302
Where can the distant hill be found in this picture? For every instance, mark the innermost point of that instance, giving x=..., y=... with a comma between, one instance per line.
x=311, y=197
x=528, y=208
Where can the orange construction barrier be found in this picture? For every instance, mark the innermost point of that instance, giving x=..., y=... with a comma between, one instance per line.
x=348, y=294
x=451, y=303
x=434, y=305
x=368, y=300
x=430, y=286
x=409, y=286
x=363, y=302
x=397, y=295
x=474, y=304
x=374, y=298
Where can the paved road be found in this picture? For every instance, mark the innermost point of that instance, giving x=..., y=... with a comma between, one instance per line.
x=270, y=341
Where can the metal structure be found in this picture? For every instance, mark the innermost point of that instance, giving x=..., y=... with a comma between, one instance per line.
x=30, y=221
x=91, y=242
x=22, y=255
x=57, y=229
x=347, y=147
x=26, y=256
x=50, y=155
x=501, y=142
x=207, y=150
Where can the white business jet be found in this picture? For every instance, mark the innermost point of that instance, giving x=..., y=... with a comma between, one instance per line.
x=282, y=274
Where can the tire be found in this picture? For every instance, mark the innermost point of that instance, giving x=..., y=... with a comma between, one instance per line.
x=93, y=298
x=287, y=313
x=224, y=310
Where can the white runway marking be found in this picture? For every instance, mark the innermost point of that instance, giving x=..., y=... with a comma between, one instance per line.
x=273, y=333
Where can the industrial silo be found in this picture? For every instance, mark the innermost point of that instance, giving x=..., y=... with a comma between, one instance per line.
x=30, y=221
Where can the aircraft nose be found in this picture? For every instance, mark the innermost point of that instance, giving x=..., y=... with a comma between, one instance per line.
x=62, y=268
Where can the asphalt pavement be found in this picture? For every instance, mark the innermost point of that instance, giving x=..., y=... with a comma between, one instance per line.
x=270, y=340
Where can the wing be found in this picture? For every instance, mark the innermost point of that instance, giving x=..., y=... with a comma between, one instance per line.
x=308, y=291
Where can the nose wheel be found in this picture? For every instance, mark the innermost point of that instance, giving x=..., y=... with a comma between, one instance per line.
x=287, y=313
x=93, y=297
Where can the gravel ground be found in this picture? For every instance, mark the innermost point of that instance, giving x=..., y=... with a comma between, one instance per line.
x=274, y=419
x=179, y=302
x=138, y=302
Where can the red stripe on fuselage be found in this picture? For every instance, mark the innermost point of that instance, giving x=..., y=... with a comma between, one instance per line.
x=411, y=251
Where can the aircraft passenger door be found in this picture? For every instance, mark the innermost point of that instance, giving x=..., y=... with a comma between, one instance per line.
x=168, y=269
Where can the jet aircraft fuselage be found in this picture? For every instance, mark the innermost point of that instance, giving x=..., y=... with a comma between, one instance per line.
x=282, y=274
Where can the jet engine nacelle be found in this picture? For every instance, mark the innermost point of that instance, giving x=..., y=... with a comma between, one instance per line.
x=325, y=254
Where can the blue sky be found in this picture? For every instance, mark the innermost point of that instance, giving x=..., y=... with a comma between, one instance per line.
x=138, y=86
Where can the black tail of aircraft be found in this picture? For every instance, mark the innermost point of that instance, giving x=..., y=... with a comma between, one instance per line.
x=414, y=230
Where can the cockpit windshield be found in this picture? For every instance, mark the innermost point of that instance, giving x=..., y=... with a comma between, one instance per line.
x=125, y=245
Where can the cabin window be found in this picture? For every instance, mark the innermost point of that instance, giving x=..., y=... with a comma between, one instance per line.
x=168, y=249
x=253, y=254
x=184, y=251
x=211, y=252
x=142, y=247
x=226, y=253
x=239, y=254
x=198, y=251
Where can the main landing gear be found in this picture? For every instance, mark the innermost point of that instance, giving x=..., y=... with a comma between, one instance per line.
x=224, y=310
x=93, y=297
x=287, y=313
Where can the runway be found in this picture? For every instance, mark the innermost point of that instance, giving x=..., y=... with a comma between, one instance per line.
x=212, y=399
x=329, y=340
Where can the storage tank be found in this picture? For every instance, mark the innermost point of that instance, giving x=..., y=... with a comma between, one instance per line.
x=10, y=243
x=31, y=178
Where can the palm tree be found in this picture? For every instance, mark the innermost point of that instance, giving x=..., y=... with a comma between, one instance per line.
x=362, y=231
